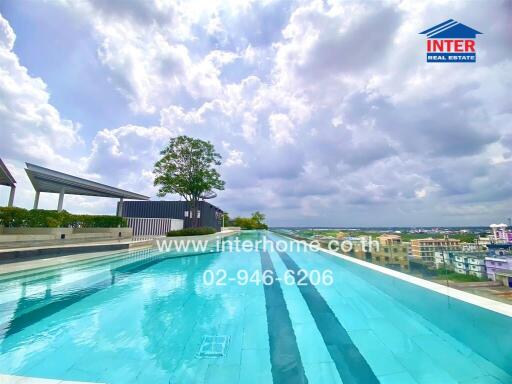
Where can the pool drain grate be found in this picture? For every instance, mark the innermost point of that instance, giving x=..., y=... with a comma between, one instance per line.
x=213, y=346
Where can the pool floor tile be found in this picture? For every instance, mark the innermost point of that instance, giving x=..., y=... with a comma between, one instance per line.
x=309, y=339
x=448, y=358
x=190, y=372
x=349, y=316
x=399, y=378
x=490, y=369
x=255, y=367
x=381, y=359
x=222, y=374
x=421, y=367
x=485, y=380
x=322, y=373
x=255, y=334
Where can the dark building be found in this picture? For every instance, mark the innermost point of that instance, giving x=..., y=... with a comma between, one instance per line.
x=208, y=215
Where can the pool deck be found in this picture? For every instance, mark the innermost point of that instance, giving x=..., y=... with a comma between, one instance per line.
x=9, y=379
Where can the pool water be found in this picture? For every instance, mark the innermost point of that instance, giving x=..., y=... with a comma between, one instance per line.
x=146, y=317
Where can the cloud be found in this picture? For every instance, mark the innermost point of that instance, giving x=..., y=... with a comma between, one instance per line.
x=32, y=128
x=281, y=129
x=324, y=113
x=127, y=154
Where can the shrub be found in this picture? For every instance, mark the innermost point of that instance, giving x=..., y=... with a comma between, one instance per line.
x=19, y=217
x=192, y=231
x=97, y=221
x=13, y=216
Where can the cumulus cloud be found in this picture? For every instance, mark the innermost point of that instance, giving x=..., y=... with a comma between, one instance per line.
x=323, y=112
x=32, y=128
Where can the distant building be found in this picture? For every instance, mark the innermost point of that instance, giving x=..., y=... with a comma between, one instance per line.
x=341, y=235
x=425, y=249
x=391, y=252
x=500, y=234
x=483, y=240
x=465, y=262
x=499, y=263
x=389, y=239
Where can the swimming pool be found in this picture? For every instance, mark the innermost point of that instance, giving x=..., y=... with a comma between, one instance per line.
x=146, y=317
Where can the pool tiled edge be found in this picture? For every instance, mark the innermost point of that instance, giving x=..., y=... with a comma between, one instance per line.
x=10, y=379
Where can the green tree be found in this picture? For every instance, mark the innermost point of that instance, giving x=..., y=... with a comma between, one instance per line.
x=256, y=221
x=226, y=220
x=187, y=168
x=258, y=218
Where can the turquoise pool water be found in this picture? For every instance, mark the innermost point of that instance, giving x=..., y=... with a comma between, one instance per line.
x=142, y=317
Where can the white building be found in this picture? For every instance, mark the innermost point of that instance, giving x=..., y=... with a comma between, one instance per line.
x=463, y=262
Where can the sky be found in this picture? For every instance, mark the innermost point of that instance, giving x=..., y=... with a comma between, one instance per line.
x=325, y=113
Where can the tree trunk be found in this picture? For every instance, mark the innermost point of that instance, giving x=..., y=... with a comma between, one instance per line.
x=195, y=222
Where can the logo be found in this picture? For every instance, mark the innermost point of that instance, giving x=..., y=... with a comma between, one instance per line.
x=451, y=42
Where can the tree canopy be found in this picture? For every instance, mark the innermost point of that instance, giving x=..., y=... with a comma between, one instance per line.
x=256, y=221
x=188, y=168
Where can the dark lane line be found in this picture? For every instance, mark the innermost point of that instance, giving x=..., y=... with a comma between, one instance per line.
x=351, y=365
x=285, y=358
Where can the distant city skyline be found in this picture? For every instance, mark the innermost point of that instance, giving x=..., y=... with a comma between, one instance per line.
x=325, y=114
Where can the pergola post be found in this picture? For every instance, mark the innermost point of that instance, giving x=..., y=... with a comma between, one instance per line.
x=120, y=207
x=61, y=200
x=11, y=196
x=36, y=200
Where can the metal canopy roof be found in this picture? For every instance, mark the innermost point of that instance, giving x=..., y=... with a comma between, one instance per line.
x=47, y=180
x=5, y=176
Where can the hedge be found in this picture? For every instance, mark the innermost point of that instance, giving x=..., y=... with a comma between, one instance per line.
x=19, y=217
x=192, y=231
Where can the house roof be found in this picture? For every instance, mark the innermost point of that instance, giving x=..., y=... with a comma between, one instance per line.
x=48, y=180
x=5, y=176
x=450, y=29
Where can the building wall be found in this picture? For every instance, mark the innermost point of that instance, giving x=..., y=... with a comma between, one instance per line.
x=390, y=253
x=425, y=249
x=496, y=265
x=144, y=226
x=209, y=216
x=463, y=262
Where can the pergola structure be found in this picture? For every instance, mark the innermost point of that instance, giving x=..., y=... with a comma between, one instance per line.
x=7, y=179
x=48, y=180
